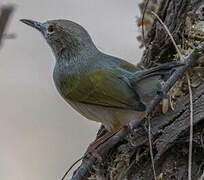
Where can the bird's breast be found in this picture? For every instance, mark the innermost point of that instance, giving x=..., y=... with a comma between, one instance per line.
x=67, y=79
x=61, y=80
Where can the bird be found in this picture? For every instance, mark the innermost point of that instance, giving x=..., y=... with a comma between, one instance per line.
x=100, y=87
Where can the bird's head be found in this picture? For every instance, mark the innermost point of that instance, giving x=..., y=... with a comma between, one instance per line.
x=66, y=38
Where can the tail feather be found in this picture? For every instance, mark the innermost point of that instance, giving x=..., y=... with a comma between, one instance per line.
x=160, y=70
x=148, y=82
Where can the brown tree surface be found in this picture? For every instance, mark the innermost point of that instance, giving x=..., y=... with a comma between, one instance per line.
x=170, y=131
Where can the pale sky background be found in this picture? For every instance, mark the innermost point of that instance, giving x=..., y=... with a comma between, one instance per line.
x=40, y=135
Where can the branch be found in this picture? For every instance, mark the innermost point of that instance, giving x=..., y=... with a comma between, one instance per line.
x=5, y=13
x=84, y=169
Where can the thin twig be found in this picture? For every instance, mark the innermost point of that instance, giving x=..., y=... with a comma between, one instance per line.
x=66, y=173
x=190, y=96
x=150, y=148
x=167, y=30
x=83, y=171
x=191, y=128
x=149, y=123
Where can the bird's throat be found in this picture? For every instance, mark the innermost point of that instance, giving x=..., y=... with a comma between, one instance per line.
x=73, y=52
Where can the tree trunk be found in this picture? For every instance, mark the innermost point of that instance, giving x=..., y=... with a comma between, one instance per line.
x=170, y=131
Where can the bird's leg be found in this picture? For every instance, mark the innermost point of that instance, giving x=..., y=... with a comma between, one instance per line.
x=92, y=149
x=132, y=133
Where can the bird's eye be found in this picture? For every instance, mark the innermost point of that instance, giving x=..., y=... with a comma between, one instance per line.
x=50, y=29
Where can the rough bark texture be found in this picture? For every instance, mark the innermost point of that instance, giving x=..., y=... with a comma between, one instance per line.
x=170, y=132
x=170, y=145
x=174, y=14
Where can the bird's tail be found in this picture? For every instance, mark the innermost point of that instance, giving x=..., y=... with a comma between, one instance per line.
x=148, y=82
x=160, y=70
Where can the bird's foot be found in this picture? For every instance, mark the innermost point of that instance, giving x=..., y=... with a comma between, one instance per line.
x=136, y=136
x=131, y=135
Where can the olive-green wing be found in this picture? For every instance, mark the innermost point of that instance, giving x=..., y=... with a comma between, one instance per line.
x=102, y=87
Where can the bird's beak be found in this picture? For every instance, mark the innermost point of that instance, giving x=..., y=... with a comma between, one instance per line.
x=37, y=25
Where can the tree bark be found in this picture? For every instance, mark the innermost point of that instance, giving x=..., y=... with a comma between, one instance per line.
x=170, y=131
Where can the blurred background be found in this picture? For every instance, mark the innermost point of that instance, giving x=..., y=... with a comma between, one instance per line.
x=40, y=135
